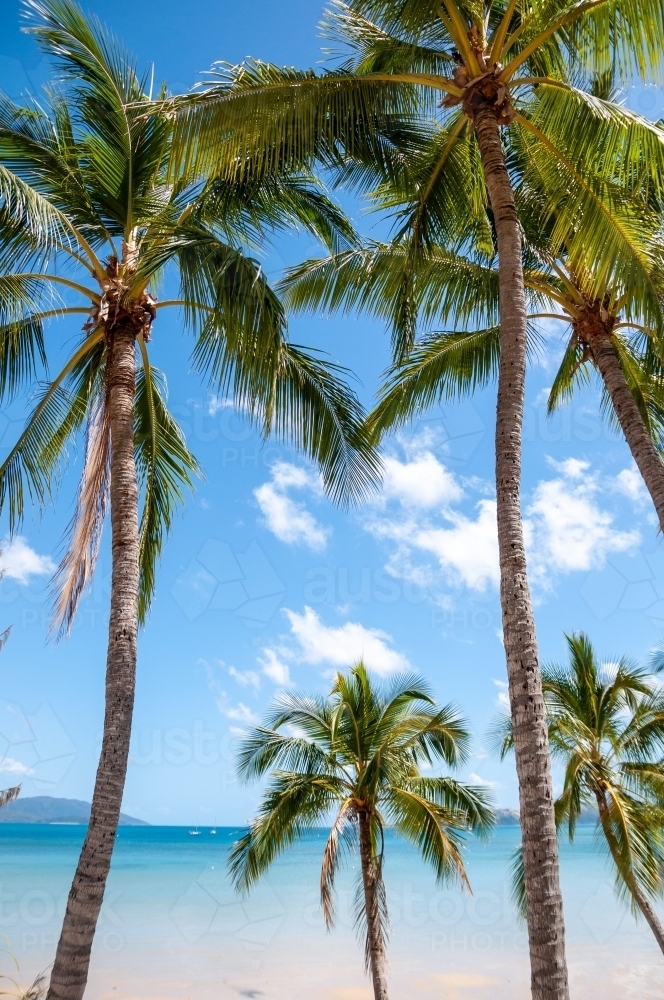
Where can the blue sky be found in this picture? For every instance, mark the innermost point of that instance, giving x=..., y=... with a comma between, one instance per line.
x=264, y=584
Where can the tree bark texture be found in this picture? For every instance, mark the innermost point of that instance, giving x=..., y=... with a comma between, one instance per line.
x=629, y=416
x=371, y=877
x=546, y=930
x=70, y=970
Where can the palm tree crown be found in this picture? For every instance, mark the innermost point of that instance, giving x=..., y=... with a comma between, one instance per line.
x=92, y=218
x=357, y=755
x=88, y=213
x=606, y=727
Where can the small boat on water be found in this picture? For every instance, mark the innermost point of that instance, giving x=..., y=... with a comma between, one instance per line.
x=195, y=833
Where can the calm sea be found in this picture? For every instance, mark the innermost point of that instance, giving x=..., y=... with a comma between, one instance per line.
x=172, y=927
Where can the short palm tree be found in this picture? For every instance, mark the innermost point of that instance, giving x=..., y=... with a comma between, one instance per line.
x=357, y=755
x=606, y=727
x=88, y=210
x=507, y=74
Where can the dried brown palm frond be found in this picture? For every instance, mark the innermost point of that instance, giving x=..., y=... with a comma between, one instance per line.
x=77, y=566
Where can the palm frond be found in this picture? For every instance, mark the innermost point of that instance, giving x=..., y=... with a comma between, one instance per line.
x=261, y=118
x=517, y=882
x=315, y=411
x=35, y=458
x=292, y=805
x=77, y=567
x=434, y=830
x=9, y=794
x=342, y=834
x=441, y=367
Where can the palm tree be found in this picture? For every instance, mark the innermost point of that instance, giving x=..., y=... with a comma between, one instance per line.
x=606, y=727
x=8, y=795
x=358, y=754
x=88, y=210
x=506, y=73
x=446, y=285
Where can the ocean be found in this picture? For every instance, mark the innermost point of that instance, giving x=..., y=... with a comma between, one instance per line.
x=172, y=927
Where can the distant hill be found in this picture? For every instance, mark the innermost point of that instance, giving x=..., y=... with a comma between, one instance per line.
x=507, y=817
x=46, y=809
x=510, y=817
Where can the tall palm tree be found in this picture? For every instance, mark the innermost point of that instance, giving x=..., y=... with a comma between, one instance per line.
x=506, y=72
x=606, y=727
x=88, y=210
x=358, y=754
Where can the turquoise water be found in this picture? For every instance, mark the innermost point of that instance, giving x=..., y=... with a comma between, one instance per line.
x=171, y=925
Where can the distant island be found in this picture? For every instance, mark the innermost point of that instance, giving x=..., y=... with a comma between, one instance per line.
x=507, y=817
x=510, y=817
x=47, y=809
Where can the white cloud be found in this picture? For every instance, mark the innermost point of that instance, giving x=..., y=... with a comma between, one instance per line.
x=478, y=780
x=422, y=482
x=237, y=713
x=630, y=484
x=19, y=562
x=566, y=525
x=10, y=766
x=468, y=549
x=274, y=668
x=503, y=699
x=241, y=713
x=217, y=403
x=286, y=518
x=290, y=521
x=344, y=645
x=567, y=531
x=246, y=678
x=284, y=475
x=571, y=468
x=542, y=397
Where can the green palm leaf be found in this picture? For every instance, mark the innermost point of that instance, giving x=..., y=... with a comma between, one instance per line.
x=165, y=467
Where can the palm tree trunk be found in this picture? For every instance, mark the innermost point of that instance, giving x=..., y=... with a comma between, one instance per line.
x=638, y=896
x=376, y=960
x=70, y=970
x=648, y=912
x=546, y=929
x=633, y=427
